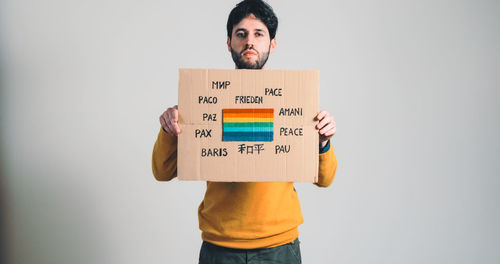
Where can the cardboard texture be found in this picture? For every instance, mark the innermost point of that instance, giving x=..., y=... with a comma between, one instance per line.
x=248, y=125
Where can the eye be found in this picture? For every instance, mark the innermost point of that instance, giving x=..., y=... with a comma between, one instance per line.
x=240, y=34
x=258, y=34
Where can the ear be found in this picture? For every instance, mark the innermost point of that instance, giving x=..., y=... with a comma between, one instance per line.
x=272, y=46
x=229, y=44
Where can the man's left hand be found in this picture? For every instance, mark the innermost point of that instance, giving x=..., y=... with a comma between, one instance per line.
x=326, y=126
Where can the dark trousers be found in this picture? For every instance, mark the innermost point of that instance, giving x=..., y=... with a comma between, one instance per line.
x=286, y=254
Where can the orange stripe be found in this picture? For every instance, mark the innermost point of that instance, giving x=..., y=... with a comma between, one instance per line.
x=247, y=119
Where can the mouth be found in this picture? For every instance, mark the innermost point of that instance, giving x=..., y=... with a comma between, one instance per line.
x=249, y=53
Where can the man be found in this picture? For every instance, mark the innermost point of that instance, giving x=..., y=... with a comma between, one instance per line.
x=247, y=222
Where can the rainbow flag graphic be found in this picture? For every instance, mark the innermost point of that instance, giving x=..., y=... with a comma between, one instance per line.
x=247, y=124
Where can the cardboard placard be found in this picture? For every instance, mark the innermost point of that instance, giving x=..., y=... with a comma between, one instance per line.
x=248, y=125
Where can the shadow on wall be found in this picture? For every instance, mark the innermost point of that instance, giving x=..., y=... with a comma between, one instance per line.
x=3, y=174
x=3, y=209
x=49, y=222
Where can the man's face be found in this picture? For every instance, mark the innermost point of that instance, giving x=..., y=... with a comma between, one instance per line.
x=250, y=44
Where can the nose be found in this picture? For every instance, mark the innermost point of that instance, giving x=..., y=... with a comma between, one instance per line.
x=250, y=41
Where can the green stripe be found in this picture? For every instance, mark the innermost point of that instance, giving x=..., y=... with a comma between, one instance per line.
x=248, y=124
x=247, y=129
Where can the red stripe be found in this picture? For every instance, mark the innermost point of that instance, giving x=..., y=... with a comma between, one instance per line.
x=247, y=110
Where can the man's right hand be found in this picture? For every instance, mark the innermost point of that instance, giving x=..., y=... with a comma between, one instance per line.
x=168, y=121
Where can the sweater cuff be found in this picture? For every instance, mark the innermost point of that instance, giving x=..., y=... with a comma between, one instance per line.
x=325, y=148
x=166, y=138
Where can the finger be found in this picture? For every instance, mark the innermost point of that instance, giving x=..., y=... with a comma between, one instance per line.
x=331, y=132
x=169, y=116
x=326, y=128
x=175, y=127
x=162, y=122
x=321, y=114
x=173, y=117
x=323, y=122
x=167, y=126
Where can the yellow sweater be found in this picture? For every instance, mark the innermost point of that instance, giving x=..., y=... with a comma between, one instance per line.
x=244, y=214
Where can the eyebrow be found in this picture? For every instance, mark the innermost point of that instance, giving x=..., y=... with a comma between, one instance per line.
x=244, y=29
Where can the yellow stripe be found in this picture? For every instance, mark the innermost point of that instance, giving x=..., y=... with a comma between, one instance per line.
x=247, y=119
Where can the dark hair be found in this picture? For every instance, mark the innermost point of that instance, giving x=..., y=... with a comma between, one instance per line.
x=259, y=9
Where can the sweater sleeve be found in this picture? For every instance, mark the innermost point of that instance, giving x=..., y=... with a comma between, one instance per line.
x=165, y=157
x=327, y=168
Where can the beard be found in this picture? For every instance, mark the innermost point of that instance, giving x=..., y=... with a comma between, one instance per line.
x=258, y=64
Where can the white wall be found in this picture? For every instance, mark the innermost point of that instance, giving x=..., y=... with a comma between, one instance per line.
x=414, y=87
